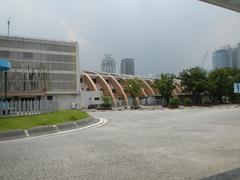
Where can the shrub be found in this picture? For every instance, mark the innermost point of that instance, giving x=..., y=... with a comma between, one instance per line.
x=107, y=103
x=174, y=102
x=104, y=105
x=206, y=101
x=187, y=101
x=107, y=100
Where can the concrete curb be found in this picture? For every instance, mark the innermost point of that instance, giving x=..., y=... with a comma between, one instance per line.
x=66, y=126
x=37, y=131
x=48, y=130
x=13, y=134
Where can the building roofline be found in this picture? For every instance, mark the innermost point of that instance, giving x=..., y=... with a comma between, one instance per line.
x=225, y=4
x=38, y=39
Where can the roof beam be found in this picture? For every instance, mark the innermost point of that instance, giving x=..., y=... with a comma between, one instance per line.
x=229, y=4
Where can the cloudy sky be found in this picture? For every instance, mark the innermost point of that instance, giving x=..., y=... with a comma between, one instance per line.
x=161, y=35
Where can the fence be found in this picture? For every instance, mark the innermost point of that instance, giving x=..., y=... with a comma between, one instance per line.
x=26, y=107
x=151, y=102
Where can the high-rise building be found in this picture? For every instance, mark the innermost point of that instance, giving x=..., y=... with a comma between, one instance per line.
x=127, y=66
x=226, y=57
x=222, y=58
x=236, y=56
x=108, y=64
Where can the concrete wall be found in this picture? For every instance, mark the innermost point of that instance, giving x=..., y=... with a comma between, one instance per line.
x=65, y=100
x=90, y=98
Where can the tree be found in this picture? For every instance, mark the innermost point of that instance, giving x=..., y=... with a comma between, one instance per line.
x=107, y=100
x=194, y=81
x=134, y=88
x=220, y=83
x=165, y=86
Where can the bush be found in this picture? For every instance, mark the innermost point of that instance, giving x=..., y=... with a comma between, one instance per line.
x=174, y=102
x=187, y=101
x=105, y=105
x=206, y=101
x=107, y=101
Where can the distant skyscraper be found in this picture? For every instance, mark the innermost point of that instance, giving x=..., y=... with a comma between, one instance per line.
x=236, y=56
x=222, y=58
x=108, y=64
x=227, y=57
x=127, y=66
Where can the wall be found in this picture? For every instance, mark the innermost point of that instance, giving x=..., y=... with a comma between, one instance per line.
x=65, y=100
x=88, y=98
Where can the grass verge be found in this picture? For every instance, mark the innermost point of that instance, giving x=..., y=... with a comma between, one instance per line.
x=25, y=122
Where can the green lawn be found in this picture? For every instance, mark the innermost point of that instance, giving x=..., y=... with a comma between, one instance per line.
x=25, y=122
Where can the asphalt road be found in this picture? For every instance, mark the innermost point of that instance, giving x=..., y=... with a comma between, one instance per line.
x=135, y=145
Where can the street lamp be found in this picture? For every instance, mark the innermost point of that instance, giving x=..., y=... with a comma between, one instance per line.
x=5, y=66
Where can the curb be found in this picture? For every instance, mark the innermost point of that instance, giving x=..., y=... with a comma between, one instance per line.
x=49, y=130
x=10, y=135
x=41, y=130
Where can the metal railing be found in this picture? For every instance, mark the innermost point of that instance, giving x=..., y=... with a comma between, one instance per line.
x=26, y=107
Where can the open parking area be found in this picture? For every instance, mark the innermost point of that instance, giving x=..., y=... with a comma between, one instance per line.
x=141, y=144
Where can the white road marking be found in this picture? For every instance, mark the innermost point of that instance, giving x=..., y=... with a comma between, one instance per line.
x=75, y=124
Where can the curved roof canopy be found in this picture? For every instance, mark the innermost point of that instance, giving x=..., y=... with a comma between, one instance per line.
x=229, y=4
x=5, y=65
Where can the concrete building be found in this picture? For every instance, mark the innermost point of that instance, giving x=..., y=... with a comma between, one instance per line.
x=236, y=55
x=226, y=57
x=96, y=84
x=127, y=66
x=222, y=58
x=108, y=64
x=41, y=68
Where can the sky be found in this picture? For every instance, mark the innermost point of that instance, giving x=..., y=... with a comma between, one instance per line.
x=163, y=36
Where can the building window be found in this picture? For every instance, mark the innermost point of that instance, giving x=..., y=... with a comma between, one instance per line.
x=95, y=81
x=97, y=98
x=81, y=80
x=4, y=54
x=113, y=90
x=27, y=55
x=49, y=97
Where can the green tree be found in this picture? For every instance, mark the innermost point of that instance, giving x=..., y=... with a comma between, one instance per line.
x=165, y=86
x=107, y=100
x=220, y=83
x=134, y=88
x=194, y=81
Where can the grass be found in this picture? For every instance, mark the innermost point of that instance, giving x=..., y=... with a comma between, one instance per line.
x=25, y=122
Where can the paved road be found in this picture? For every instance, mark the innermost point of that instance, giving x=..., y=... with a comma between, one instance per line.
x=136, y=145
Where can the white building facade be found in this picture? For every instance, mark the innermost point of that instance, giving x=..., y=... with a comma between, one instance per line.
x=41, y=68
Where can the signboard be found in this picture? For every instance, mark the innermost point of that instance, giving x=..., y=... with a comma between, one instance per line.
x=4, y=65
x=236, y=87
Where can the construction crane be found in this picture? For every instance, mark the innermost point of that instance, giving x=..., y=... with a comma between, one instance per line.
x=204, y=59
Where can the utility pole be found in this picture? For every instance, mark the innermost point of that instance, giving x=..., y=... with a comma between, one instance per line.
x=6, y=85
x=8, y=22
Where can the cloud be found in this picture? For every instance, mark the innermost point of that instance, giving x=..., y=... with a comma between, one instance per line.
x=72, y=34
